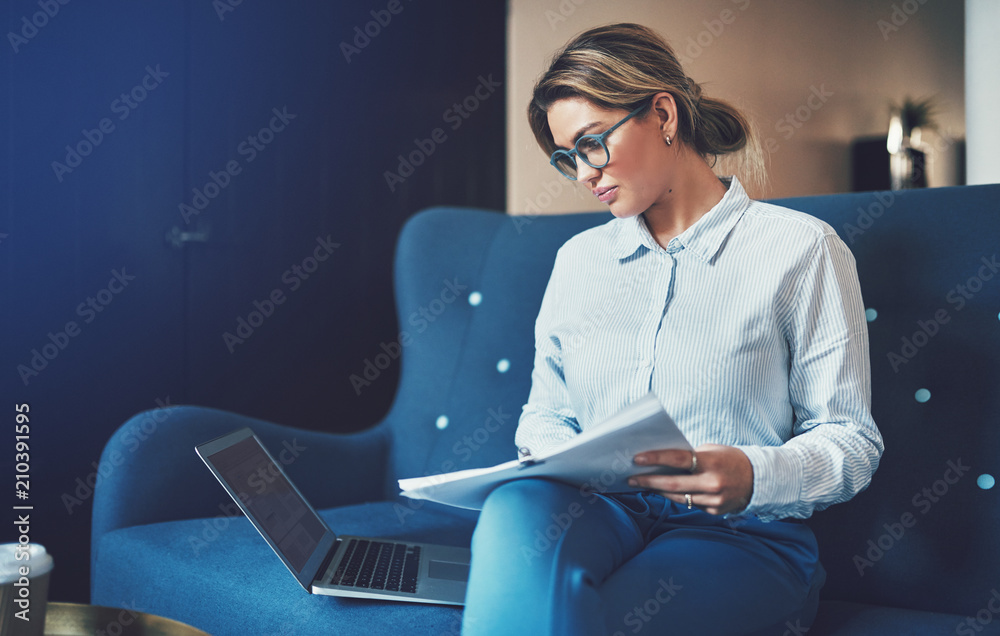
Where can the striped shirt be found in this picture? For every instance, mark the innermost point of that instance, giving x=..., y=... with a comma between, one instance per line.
x=750, y=329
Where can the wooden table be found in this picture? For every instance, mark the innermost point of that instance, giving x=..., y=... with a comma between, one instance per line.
x=74, y=619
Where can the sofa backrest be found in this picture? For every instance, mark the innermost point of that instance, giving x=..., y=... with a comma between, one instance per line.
x=469, y=284
x=925, y=533
x=468, y=287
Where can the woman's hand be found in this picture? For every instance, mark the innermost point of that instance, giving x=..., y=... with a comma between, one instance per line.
x=722, y=482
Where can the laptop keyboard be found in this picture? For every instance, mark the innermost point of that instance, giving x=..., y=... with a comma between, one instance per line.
x=379, y=565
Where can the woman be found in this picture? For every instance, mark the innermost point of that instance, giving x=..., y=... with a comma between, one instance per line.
x=746, y=321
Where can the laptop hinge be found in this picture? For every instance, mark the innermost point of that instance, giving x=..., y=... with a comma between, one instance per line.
x=326, y=562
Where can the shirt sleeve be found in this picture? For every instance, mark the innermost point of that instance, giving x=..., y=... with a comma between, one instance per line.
x=835, y=447
x=548, y=418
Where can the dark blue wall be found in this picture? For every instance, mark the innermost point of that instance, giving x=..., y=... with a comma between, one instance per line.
x=278, y=124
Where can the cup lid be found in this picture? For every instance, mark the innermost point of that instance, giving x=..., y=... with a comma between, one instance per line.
x=33, y=556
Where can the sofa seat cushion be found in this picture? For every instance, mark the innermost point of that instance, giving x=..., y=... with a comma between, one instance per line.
x=839, y=618
x=221, y=576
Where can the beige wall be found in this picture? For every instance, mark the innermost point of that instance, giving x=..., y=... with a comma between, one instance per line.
x=982, y=59
x=767, y=57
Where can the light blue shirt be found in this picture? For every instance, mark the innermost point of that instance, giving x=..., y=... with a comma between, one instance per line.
x=750, y=329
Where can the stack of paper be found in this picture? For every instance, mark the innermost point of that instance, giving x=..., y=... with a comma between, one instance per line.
x=597, y=460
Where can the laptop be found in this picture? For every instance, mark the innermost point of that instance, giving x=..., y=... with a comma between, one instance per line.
x=321, y=561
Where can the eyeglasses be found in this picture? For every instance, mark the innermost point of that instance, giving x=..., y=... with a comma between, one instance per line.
x=590, y=148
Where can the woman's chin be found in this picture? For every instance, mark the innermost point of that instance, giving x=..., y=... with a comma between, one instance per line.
x=621, y=210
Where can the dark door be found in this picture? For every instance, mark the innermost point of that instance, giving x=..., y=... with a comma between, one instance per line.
x=201, y=201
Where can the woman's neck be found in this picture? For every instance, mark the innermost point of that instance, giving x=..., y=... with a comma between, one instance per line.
x=695, y=192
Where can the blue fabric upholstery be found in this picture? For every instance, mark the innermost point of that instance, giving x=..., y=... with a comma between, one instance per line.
x=858, y=619
x=219, y=574
x=468, y=285
x=911, y=260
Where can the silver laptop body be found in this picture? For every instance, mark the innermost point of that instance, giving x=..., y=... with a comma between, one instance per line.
x=321, y=561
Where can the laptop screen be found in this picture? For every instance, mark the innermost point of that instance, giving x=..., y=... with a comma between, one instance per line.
x=270, y=500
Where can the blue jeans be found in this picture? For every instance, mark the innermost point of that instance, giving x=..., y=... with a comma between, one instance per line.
x=550, y=559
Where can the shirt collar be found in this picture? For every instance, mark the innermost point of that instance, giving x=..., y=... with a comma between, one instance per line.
x=704, y=238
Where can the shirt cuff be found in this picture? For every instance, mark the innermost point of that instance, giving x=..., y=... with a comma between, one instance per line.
x=777, y=482
x=539, y=440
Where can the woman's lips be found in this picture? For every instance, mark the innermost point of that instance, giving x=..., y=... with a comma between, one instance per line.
x=606, y=194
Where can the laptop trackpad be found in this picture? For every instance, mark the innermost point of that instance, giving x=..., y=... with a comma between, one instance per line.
x=447, y=570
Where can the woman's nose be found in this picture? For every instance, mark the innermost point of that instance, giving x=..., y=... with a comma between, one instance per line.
x=585, y=173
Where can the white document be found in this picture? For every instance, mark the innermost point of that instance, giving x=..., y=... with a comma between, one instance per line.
x=597, y=460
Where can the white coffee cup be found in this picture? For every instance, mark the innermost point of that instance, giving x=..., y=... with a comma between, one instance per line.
x=24, y=589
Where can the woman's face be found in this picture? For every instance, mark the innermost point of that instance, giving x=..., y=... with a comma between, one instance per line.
x=639, y=173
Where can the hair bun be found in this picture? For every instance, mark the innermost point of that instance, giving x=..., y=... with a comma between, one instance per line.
x=693, y=88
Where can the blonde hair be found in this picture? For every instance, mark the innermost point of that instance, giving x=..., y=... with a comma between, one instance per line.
x=620, y=66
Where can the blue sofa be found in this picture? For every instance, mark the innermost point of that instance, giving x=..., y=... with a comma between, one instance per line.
x=917, y=553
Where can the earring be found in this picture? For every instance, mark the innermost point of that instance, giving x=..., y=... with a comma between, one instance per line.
x=667, y=138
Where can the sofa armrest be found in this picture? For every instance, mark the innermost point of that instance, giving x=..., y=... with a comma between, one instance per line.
x=149, y=471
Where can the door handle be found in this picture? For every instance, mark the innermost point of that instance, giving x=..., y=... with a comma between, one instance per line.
x=176, y=237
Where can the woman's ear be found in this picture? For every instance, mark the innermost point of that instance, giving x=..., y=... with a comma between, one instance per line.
x=666, y=111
